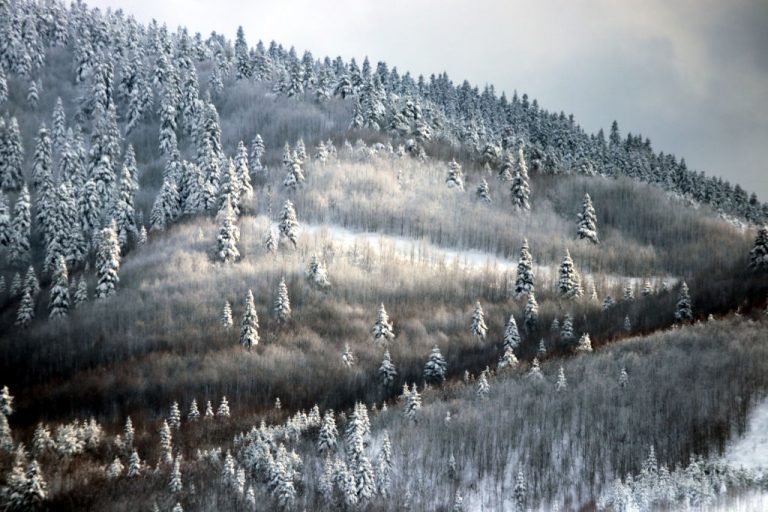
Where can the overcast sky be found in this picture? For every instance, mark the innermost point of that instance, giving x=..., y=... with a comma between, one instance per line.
x=690, y=74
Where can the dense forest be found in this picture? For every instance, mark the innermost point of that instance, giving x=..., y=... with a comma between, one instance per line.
x=236, y=278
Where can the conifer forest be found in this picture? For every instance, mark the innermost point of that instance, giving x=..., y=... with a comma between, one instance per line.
x=237, y=276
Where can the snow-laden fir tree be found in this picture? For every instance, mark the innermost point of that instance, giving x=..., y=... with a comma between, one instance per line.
x=387, y=371
x=508, y=359
x=588, y=221
x=12, y=163
x=478, y=327
x=270, y=241
x=228, y=237
x=175, y=483
x=629, y=292
x=134, y=465
x=483, y=387
x=562, y=383
x=524, y=283
x=26, y=311
x=435, y=368
x=382, y=329
x=566, y=331
x=59, y=300
x=288, y=225
x=455, y=177
x=16, y=287
x=758, y=256
x=257, y=152
x=328, y=436
x=521, y=191
x=128, y=433
x=243, y=172
x=18, y=243
x=42, y=441
x=59, y=125
x=33, y=95
x=123, y=211
x=6, y=401
x=458, y=502
x=511, y=334
x=282, y=307
x=223, y=410
x=531, y=312
x=194, y=412
x=608, y=302
x=209, y=415
x=412, y=402
x=5, y=221
x=569, y=283
x=226, y=316
x=249, y=330
x=6, y=438
x=384, y=466
x=683, y=308
x=107, y=262
x=520, y=492
x=347, y=357
x=584, y=344
x=555, y=326
x=174, y=418
x=31, y=282
x=623, y=378
x=115, y=468
x=541, y=352
x=167, y=205
x=627, y=324
x=166, y=443
x=317, y=275
x=483, y=192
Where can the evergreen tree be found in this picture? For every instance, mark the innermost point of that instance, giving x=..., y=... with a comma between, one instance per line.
x=59, y=126
x=588, y=221
x=629, y=292
x=584, y=344
x=647, y=288
x=243, y=173
x=623, y=378
x=167, y=205
x=562, y=383
x=249, y=330
x=520, y=492
x=520, y=189
x=483, y=387
x=26, y=310
x=134, y=465
x=282, y=303
x=511, y=335
x=531, y=312
x=608, y=302
x=387, y=371
x=328, y=436
x=175, y=484
x=107, y=262
x=684, y=308
x=524, y=284
x=270, y=241
x=347, y=357
x=115, y=468
x=194, y=412
x=42, y=162
x=627, y=324
x=434, y=370
x=758, y=256
x=59, y=302
x=18, y=246
x=288, y=223
x=33, y=95
x=123, y=211
x=81, y=293
x=542, y=350
x=12, y=157
x=5, y=221
x=412, y=402
x=317, y=275
x=382, y=329
x=257, y=152
x=479, y=329
x=174, y=418
x=566, y=332
x=483, y=192
x=228, y=237
x=508, y=359
x=226, y=316
x=166, y=443
x=569, y=284
x=455, y=177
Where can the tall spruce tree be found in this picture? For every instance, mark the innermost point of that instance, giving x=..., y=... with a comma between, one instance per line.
x=59, y=300
x=107, y=262
x=524, y=284
x=249, y=329
x=588, y=221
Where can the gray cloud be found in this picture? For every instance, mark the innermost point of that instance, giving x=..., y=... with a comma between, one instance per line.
x=691, y=74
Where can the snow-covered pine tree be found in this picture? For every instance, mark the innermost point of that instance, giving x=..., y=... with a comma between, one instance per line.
x=107, y=262
x=228, y=237
x=627, y=324
x=434, y=370
x=59, y=300
x=81, y=293
x=242, y=172
x=483, y=192
x=328, y=436
x=478, y=327
x=194, y=412
x=623, y=378
x=541, y=352
x=608, y=302
x=531, y=312
x=257, y=152
x=223, y=410
x=175, y=484
x=288, y=223
x=59, y=125
x=249, y=330
x=282, y=307
x=584, y=344
x=508, y=359
x=226, y=316
x=166, y=443
x=562, y=383
x=588, y=221
x=520, y=492
x=455, y=177
x=33, y=95
x=524, y=284
x=412, y=402
x=566, y=331
x=128, y=432
x=209, y=410
x=629, y=292
x=134, y=465
x=18, y=246
x=758, y=256
x=270, y=241
x=521, y=190
x=347, y=357
x=174, y=418
x=387, y=371
x=115, y=468
x=569, y=283
x=12, y=163
x=683, y=308
x=483, y=387
x=167, y=205
x=316, y=274
x=5, y=221
x=26, y=311
x=511, y=334
x=382, y=329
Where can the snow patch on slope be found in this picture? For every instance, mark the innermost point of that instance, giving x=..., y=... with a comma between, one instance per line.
x=751, y=451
